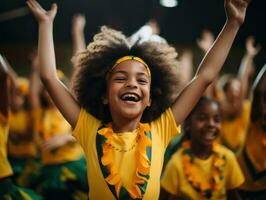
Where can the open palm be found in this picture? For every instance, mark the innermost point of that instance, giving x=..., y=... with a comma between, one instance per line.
x=41, y=14
x=236, y=9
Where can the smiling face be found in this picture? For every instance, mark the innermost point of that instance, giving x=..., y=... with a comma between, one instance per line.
x=128, y=90
x=205, y=123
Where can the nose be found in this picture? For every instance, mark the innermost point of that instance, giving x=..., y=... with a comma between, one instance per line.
x=212, y=122
x=131, y=83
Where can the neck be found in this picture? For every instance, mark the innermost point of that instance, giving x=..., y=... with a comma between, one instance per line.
x=200, y=150
x=125, y=125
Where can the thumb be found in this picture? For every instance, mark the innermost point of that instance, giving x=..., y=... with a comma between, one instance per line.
x=54, y=9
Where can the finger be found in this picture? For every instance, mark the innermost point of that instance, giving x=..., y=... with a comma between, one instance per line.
x=54, y=8
x=31, y=7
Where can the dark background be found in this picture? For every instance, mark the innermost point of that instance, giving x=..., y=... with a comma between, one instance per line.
x=180, y=25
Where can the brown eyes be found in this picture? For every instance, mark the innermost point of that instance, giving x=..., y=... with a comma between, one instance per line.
x=141, y=81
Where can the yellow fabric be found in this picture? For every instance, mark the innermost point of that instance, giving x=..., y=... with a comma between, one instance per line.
x=20, y=126
x=53, y=124
x=5, y=168
x=163, y=129
x=175, y=182
x=256, y=152
x=233, y=132
x=23, y=86
x=125, y=58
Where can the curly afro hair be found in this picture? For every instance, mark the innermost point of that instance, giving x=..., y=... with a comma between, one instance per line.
x=92, y=66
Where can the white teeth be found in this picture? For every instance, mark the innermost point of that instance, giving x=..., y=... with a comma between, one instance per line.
x=209, y=135
x=130, y=97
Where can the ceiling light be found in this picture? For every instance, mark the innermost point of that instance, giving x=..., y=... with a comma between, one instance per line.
x=169, y=3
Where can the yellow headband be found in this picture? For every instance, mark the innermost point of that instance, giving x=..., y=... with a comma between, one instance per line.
x=125, y=58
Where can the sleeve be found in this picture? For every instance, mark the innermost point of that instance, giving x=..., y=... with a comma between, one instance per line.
x=246, y=113
x=166, y=127
x=233, y=174
x=170, y=178
x=85, y=129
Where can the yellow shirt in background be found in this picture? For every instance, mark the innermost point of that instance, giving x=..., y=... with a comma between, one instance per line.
x=233, y=132
x=20, y=123
x=175, y=182
x=253, y=159
x=162, y=129
x=54, y=124
x=5, y=168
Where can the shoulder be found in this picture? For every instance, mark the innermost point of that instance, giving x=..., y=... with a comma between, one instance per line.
x=225, y=151
x=176, y=158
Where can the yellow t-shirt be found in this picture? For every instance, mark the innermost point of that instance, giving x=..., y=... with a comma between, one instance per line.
x=162, y=129
x=175, y=182
x=53, y=124
x=233, y=132
x=253, y=159
x=20, y=126
x=5, y=168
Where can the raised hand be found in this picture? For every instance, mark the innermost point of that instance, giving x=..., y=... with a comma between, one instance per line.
x=40, y=14
x=78, y=22
x=236, y=10
x=251, y=48
x=206, y=40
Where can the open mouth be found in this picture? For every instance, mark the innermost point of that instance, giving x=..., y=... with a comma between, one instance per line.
x=131, y=97
x=210, y=135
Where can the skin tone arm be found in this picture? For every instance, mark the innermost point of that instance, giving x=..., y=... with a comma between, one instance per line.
x=186, y=61
x=34, y=83
x=247, y=63
x=205, y=43
x=58, y=141
x=78, y=24
x=213, y=60
x=61, y=96
x=4, y=105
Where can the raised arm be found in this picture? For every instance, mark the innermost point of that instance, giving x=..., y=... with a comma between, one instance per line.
x=4, y=105
x=204, y=43
x=213, y=60
x=186, y=61
x=247, y=64
x=46, y=55
x=78, y=38
x=35, y=85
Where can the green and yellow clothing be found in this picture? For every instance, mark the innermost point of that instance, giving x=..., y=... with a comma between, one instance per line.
x=253, y=160
x=5, y=168
x=7, y=189
x=20, y=123
x=233, y=132
x=125, y=147
x=175, y=181
x=63, y=174
x=53, y=123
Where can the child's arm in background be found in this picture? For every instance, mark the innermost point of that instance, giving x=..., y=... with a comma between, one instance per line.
x=212, y=62
x=247, y=66
x=78, y=38
x=4, y=105
x=61, y=96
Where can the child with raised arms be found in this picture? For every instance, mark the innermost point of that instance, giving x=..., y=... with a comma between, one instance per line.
x=8, y=190
x=126, y=108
